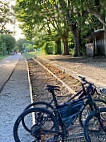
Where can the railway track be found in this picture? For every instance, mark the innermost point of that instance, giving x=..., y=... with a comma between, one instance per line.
x=42, y=74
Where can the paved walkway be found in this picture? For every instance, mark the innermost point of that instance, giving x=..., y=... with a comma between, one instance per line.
x=94, y=69
x=14, y=96
x=6, y=67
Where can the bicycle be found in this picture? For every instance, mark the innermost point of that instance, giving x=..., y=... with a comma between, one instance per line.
x=84, y=113
x=56, y=122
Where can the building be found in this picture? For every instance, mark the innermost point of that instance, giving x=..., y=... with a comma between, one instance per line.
x=96, y=43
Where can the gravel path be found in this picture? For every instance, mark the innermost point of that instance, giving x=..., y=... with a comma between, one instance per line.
x=6, y=68
x=13, y=99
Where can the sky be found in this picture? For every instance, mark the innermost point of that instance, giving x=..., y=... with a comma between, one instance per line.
x=18, y=32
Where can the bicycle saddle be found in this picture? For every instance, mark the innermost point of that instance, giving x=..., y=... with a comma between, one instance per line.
x=52, y=87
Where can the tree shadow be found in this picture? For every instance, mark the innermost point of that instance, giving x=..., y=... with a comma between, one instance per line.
x=99, y=62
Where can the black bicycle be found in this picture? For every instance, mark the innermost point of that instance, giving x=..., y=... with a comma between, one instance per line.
x=54, y=123
x=84, y=112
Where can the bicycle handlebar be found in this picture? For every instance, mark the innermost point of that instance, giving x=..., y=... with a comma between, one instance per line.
x=82, y=78
x=91, y=84
x=85, y=81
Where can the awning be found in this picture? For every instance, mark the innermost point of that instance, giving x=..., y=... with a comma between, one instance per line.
x=94, y=34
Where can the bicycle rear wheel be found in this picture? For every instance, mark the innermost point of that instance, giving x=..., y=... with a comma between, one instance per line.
x=86, y=110
x=43, y=128
x=95, y=127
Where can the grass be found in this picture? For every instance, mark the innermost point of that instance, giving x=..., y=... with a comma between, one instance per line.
x=28, y=54
x=33, y=54
x=3, y=57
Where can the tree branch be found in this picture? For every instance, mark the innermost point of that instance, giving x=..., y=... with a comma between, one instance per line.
x=97, y=15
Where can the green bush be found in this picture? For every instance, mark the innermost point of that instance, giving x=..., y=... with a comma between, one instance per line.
x=49, y=48
x=71, y=51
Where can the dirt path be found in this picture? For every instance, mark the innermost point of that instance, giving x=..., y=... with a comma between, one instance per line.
x=93, y=69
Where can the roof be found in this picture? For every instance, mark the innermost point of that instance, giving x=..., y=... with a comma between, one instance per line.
x=94, y=34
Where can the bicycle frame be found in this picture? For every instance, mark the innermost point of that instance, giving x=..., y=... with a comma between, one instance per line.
x=81, y=95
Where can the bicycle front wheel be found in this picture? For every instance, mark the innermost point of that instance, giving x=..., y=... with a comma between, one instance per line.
x=38, y=105
x=43, y=128
x=87, y=110
x=95, y=126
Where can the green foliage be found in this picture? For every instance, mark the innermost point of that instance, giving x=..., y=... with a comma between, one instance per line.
x=27, y=47
x=2, y=57
x=7, y=43
x=40, y=18
x=30, y=48
x=49, y=48
x=72, y=51
x=6, y=16
x=20, y=43
x=2, y=47
x=98, y=9
x=29, y=54
x=48, y=21
x=103, y=3
x=23, y=43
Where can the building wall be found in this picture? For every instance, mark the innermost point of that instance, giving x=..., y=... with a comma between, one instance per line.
x=99, y=46
x=90, y=49
x=105, y=41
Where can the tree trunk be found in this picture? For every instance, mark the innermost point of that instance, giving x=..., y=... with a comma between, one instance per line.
x=76, y=34
x=66, y=49
x=58, y=46
x=8, y=52
x=3, y=52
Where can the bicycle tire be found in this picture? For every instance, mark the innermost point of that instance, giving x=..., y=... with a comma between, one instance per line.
x=39, y=103
x=81, y=119
x=36, y=130
x=42, y=105
x=96, y=135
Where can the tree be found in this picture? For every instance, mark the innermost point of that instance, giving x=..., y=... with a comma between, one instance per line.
x=27, y=46
x=52, y=20
x=5, y=17
x=43, y=16
x=97, y=8
x=22, y=43
x=10, y=43
x=7, y=43
x=72, y=18
x=103, y=3
x=77, y=12
x=2, y=47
